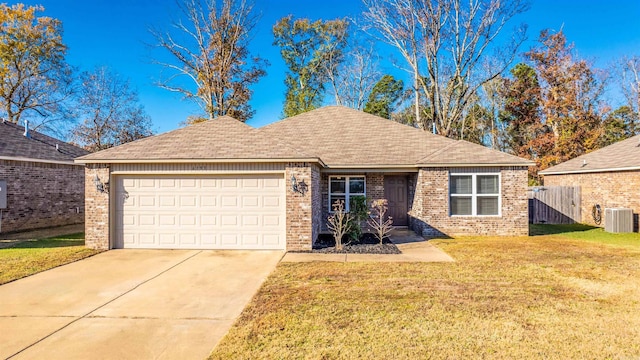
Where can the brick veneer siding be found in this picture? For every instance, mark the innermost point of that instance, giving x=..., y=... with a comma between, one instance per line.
x=430, y=212
x=301, y=229
x=97, y=215
x=41, y=195
x=374, y=188
x=608, y=189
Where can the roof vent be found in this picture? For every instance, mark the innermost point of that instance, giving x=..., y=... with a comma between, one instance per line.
x=57, y=147
x=26, y=129
x=584, y=163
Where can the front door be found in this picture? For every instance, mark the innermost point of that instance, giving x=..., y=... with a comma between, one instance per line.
x=395, y=191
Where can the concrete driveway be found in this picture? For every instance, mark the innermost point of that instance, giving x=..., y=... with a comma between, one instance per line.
x=131, y=304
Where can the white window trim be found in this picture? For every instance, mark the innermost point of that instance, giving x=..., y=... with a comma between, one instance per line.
x=346, y=194
x=474, y=195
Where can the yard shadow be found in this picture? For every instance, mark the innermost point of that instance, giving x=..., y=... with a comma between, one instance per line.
x=553, y=229
x=52, y=242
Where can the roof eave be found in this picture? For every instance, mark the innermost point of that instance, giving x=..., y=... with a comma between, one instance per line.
x=430, y=165
x=182, y=161
x=44, y=161
x=583, y=171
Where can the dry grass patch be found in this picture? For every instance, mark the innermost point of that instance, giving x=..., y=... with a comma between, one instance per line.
x=30, y=257
x=539, y=297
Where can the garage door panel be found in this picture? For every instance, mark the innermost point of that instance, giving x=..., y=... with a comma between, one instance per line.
x=229, y=201
x=187, y=220
x=147, y=201
x=250, y=220
x=188, y=239
x=251, y=201
x=208, y=239
x=208, y=201
x=271, y=201
x=187, y=183
x=209, y=220
x=229, y=239
x=200, y=212
x=271, y=239
x=167, y=239
x=188, y=200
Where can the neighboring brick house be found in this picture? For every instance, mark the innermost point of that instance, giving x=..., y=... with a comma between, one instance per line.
x=224, y=185
x=42, y=184
x=609, y=177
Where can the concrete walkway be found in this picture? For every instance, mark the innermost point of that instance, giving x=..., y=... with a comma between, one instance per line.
x=131, y=304
x=414, y=248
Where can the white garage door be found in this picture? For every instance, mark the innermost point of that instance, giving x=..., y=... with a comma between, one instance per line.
x=200, y=212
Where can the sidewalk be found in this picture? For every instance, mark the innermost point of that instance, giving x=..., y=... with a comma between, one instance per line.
x=414, y=248
x=11, y=239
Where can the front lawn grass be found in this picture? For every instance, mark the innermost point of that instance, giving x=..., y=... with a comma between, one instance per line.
x=548, y=296
x=30, y=257
x=588, y=233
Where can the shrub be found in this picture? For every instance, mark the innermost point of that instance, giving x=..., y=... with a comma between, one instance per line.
x=359, y=213
x=381, y=226
x=339, y=222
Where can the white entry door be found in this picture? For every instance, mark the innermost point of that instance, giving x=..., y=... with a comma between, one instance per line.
x=200, y=212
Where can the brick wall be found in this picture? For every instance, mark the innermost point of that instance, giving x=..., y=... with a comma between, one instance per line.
x=41, y=195
x=608, y=189
x=316, y=202
x=430, y=211
x=301, y=231
x=97, y=213
x=374, y=187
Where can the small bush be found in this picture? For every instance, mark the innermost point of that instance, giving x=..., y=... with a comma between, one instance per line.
x=359, y=213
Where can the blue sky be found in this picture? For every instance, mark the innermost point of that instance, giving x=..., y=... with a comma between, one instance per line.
x=113, y=33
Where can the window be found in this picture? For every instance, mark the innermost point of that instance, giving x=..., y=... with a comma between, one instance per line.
x=474, y=194
x=345, y=187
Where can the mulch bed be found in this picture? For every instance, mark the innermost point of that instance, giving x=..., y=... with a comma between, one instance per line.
x=367, y=244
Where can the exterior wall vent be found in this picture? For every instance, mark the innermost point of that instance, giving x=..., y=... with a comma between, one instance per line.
x=618, y=220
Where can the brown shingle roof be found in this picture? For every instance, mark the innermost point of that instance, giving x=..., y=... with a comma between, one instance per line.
x=623, y=155
x=224, y=138
x=342, y=136
x=335, y=135
x=13, y=144
x=464, y=153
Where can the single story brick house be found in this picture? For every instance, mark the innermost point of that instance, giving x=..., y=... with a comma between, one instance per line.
x=222, y=184
x=40, y=185
x=609, y=177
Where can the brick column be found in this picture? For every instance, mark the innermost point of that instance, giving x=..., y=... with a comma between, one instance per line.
x=96, y=208
x=301, y=231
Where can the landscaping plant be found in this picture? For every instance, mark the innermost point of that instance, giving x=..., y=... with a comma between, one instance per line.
x=359, y=213
x=339, y=222
x=381, y=226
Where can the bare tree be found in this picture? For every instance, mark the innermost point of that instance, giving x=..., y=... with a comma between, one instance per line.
x=353, y=78
x=395, y=23
x=108, y=111
x=450, y=48
x=630, y=78
x=210, y=50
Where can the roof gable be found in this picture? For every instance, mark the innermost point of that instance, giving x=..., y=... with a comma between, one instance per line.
x=623, y=155
x=219, y=139
x=13, y=144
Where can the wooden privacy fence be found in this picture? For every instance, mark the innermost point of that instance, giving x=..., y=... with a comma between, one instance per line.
x=554, y=204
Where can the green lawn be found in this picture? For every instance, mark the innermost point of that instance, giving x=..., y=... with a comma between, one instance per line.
x=30, y=257
x=587, y=233
x=572, y=293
